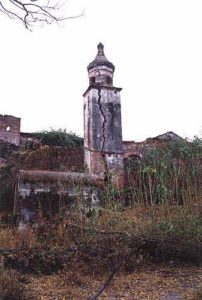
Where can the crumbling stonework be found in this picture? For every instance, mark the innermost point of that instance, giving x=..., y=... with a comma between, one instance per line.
x=6, y=151
x=28, y=140
x=138, y=149
x=102, y=119
x=50, y=158
x=10, y=129
x=51, y=189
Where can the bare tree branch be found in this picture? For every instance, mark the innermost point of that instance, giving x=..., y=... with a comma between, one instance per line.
x=122, y=259
x=30, y=12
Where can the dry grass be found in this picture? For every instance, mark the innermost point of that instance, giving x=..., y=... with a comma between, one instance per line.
x=146, y=283
x=198, y=292
x=15, y=239
x=151, y=283
x=10, y=287
x=47, y=235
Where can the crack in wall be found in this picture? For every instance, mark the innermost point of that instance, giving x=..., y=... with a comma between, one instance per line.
x=106, y=169
x=104, y=120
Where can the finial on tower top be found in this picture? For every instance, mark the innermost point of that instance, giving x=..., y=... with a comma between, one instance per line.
x=100, y=59
x=100, y=47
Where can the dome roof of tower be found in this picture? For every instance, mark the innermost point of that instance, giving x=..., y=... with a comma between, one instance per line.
x=100, y=59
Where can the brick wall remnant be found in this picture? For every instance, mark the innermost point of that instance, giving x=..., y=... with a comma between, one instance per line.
x=52, y=158
x=29, y=140
x=10, y=129
x=139, y=149
x=7, y=150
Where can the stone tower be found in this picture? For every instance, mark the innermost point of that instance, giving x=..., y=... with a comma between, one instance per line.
x=102, y=120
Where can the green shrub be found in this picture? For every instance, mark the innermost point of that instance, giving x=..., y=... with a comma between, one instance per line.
x=60, y=137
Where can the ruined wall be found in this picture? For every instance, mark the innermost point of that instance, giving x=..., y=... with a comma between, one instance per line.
x=132, y=148
x=114, y=163
x=7, y=149
x=94, y=162
x=139, y=149
x=51, y=190
x=10, y=129
x=51, y=158
x=28, y=140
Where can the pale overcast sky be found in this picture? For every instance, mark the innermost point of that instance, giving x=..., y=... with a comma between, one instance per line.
x=156, y=47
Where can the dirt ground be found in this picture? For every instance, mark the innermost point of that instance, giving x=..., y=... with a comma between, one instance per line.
x=153, y=282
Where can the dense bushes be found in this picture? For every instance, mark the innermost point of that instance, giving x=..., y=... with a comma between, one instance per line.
x=60, y=138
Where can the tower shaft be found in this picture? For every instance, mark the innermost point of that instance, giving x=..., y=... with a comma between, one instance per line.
x=102, y=120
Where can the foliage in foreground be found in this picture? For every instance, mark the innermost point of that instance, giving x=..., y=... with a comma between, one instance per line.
x=107, y=240
x=10, y=287
x=169, y=173
x=163, y=219
x=102, y=237
x=198, y=293
x=60, y=137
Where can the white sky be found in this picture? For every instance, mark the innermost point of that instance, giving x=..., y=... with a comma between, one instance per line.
x=156, y=47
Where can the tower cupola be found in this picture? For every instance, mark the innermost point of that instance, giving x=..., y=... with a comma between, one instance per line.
x=100, y=70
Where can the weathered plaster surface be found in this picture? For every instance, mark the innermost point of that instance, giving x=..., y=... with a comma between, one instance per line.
x=103, y=129
x=102, y=121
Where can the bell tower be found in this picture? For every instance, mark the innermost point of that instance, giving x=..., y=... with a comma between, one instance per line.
x=102, y=119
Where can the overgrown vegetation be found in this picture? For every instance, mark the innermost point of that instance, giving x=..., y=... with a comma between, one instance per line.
x=60, y=137
x=10, y=287
x=169, y=173
x=198, y=293
x=157, y=217
x=7, y=189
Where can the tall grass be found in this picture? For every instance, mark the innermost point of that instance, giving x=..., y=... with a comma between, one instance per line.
x=169, y=173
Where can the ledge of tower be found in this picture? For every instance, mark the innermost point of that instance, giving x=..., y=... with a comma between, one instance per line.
x=97, y=86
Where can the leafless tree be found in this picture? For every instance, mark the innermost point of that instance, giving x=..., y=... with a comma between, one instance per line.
x=30, y=12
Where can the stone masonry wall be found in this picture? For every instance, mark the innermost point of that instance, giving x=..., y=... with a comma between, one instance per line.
x=95, y=162
x=114, y=162
x=10, y=129
x=50, y=158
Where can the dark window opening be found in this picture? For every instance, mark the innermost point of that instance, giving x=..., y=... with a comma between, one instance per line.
x=92, y=80
x=109, y=80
